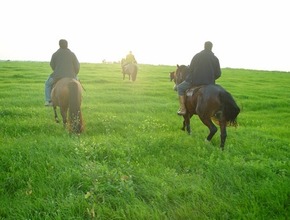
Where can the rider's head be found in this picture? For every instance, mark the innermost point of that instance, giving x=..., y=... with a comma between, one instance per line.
x=63, y=43
x=208, y=45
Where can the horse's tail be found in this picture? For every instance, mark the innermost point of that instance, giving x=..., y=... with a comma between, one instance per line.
x=230, y=108
x=134, y=72
x=75, y=114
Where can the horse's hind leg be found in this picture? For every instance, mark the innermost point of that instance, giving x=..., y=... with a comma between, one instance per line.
x=186, y=123
x=212, y=128
x=183, y=125
x=223, y=126
x=64, y=116
x=55, y=115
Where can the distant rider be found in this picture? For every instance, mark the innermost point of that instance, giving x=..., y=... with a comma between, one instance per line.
x=130, y=58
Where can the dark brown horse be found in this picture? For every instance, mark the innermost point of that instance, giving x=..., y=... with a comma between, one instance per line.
x=130, y=69
x=67, y=94
x=209, y=102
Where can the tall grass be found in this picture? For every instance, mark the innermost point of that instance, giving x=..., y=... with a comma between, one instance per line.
x=133, y=161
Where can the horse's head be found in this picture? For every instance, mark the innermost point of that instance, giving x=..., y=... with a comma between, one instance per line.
x=180, y=74
x=172, y=76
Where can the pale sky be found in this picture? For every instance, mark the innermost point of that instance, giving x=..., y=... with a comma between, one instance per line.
x=250, y=34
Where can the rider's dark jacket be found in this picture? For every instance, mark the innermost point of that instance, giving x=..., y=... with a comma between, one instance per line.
x=64, y=63
x=204, y=69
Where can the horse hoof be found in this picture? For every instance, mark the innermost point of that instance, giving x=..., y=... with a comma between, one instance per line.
x=207, y=141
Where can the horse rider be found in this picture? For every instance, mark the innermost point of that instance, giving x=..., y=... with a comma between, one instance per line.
x=204, y=69
x=64, y=63
x=130, y=58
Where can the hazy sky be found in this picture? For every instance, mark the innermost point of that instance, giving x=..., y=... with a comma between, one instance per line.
x=252, y=34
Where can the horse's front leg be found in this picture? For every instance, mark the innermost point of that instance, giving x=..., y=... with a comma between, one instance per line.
x=55, y=115
x=186, y=123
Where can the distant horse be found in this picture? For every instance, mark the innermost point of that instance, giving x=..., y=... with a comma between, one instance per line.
x=209, y=102
x=130, y=69
x=172, y=76
x=67, y=94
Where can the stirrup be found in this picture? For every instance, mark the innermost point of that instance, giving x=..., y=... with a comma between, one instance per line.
x=47, y=103
x=180, y=112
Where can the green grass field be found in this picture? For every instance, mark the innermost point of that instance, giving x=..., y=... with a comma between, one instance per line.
x=133, y=161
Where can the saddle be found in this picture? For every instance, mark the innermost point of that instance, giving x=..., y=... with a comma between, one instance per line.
x=56, y=79
x=192, y=90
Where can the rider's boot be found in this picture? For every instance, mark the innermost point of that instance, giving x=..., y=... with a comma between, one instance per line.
x=182, y=109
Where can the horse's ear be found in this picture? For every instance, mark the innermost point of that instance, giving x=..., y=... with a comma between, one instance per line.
x=177, y=65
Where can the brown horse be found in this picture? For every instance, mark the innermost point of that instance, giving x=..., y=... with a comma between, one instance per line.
x=130, y=69
x=209, y=102
x=67, y=94
x=172, y=76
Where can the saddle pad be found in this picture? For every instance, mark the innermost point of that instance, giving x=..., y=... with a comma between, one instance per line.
x=192, y=90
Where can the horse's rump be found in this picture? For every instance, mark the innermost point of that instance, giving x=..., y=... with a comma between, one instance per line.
x=207, y=100
x=130, y=69
x=67, y=94
x=230, y=107
x=214, y=101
